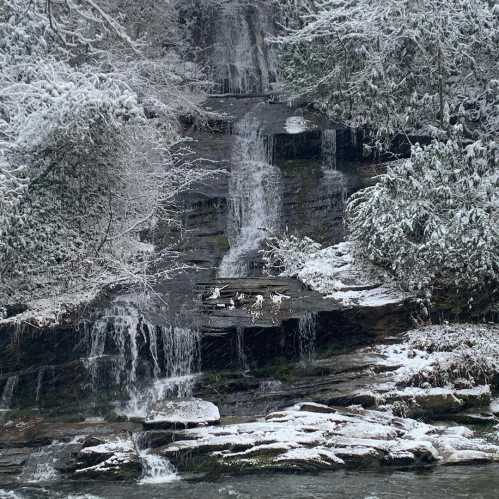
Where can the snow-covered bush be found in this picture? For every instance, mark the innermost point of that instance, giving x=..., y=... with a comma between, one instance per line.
x=287, y=255
x=393, y=66
x=454, y=354
x=432, y=221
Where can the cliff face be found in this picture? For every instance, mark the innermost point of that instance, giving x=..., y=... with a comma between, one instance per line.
x=287, y=169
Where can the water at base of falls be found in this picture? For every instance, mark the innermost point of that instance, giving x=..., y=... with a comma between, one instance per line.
x=254, y=197
x=472, y=481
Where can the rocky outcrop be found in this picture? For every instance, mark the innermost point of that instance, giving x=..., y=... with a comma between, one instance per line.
x=310, y=437
x=406, y=376
x=111, y=459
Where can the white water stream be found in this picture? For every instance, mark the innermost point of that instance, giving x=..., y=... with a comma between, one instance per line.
x=254, y=197
x=241, y=60
x=156, y=469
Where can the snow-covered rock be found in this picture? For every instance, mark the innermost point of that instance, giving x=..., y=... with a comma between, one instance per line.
x=182, y=413
x=115, y=458
x=301, y=438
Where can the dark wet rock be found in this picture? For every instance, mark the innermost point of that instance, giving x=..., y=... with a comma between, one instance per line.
x=12, y=461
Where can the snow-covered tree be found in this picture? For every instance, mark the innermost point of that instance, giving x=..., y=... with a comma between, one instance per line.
x=397, y=66
x=432, y=220
x=87, y=163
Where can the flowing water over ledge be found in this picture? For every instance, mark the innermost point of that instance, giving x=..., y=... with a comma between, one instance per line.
x=476, y=482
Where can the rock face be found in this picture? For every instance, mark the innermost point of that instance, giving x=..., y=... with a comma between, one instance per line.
x=327, y=334
x=310, y=437
x=93, y=355
x=404, y=375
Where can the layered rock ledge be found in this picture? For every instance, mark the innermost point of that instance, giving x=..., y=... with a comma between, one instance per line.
x=311, y=436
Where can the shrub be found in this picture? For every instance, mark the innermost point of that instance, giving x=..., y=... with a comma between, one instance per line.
x=432, y=221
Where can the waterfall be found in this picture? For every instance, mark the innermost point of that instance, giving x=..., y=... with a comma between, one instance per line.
x=241, y=60
x=328, y=149
x=8, y=392
x=170, y=357
x=254, y=197
x=155, y=468
x=180, y=346
x=306, y=335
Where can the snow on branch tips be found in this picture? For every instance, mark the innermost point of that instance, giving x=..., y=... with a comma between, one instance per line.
x=86, y=168
x=431, y=220
x=394, y=66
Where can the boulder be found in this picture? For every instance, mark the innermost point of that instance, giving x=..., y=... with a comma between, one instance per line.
x=115, y=459
x=182, y=413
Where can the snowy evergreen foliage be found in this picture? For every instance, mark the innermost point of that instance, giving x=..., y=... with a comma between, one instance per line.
x=432, y=220
x=398, y=66
x=86, y=166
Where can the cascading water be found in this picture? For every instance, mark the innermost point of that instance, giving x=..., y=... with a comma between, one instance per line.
x=241, y=60
x=254, y=197
x=8, y=393
x=307, y=335
x=170, y=357
x=328, y=149
x=155, y=468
